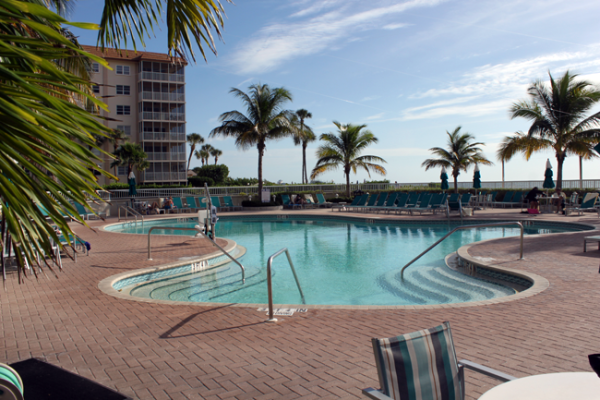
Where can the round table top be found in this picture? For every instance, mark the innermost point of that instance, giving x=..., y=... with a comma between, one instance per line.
x=557, y=386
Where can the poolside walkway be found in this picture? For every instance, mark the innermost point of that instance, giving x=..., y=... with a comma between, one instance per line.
x=156, y=351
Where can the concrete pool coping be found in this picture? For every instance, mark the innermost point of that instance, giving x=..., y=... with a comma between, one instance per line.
x=539, y=283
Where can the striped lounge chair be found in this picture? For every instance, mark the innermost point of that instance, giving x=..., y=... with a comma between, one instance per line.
x=422, y=365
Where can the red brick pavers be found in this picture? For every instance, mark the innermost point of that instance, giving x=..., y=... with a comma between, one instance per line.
x=156, y=351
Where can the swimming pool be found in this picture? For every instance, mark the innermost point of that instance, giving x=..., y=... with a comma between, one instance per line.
x=338, y=261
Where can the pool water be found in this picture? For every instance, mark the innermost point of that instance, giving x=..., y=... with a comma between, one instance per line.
x=337, y=261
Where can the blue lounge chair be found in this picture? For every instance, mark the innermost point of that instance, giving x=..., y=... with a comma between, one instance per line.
x=361, y=202
x=400, y=203
x=287, y=203
x=217, y=203
x=423, y=205
x=390, y=202
x=179, y=207
x=588, y=203
x=437, y=201
x=428, y=370
x=229, y=203
x=342, y=207
x=191, y=203
x=507, y=199
x=413, y=199
x=321, y=201
x=81, y=210
x=199, y=203
x=369, y=204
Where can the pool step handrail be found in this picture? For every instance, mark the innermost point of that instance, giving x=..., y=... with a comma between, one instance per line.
x=463, y=228
x=132, y=211
x=198, y=231
x=269, y=284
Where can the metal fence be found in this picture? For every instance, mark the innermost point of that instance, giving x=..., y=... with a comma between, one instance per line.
x=340, y=189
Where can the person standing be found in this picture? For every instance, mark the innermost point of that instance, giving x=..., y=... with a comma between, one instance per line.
x=531, y=198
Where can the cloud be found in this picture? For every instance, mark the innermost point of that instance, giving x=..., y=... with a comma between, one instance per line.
x=370, y=98
x=473, y=110
x=399, y=152
x=376, y=116
x=278, y=43
x=391, y=27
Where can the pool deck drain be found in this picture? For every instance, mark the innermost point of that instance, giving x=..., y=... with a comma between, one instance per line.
x=156, y=351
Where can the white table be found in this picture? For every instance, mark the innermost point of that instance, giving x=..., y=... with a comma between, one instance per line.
x=558, y=386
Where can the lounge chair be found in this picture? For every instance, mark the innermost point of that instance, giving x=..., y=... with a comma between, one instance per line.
x=217, y=203
x=309, y=201
x=229, y=203
x=437, y=203
x=179, y=207
x=362, y=201
x=368, y=205
x=423, y=204
x=82, y=211
x=390, y=202
x=508, y=196
x=287, y=202
x=191, y=203
x=422, y=365
x=321, y=201
x=342, y=207
x=588, y=203
x=490, y=199
x=200, y=205
x=413, y=199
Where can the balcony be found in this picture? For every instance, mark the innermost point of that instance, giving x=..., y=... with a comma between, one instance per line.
x=162, y=116
x=162, y=96
x=165, y=176
x=164, y=137
x=158, y=76
x=156, y=156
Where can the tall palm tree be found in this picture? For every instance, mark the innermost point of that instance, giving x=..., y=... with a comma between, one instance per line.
x=559, y=120
x=265, y=120
x=344, y=150
x=509, y=146
x=132, y=156
x=116, y=137
x=205, y=153
x=193, y=139
x=303, y=136
x=216, y=153
x=460, y=155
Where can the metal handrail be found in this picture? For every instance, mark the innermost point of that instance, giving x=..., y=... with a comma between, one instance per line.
x=202, y=233
x=128, y=210
x=463, y=228
x=269, y=285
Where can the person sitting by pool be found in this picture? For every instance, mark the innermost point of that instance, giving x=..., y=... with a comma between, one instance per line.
x=560, y=200
x=153, y=208
x=531, y=198
x=299, y=200
x=169, y=205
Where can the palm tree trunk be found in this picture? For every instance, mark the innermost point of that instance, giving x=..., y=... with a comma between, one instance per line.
x=303, y=158
x=580, y=172
x=455, y=183
x=502, y=174
x=304, y=173
x=347, y=184
x=560, y=159
x=261, y=149
x=190, y=159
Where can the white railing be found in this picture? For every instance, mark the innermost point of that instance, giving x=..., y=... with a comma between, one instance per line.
x=165, y=156
x=331, y=188
x=162, y=96
x=164, y=136
x=158, y=76
x=162, y=116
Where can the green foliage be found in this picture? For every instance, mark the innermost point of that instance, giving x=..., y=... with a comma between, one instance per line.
x=119, y=186
x=130, y=155
x=46, y=157
x=199, y=181
x=218, y=173
x=382, y=181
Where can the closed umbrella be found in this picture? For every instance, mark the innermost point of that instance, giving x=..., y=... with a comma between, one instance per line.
x=548, y=182
x=477, y=178
x=444, y=178
x=132, y=190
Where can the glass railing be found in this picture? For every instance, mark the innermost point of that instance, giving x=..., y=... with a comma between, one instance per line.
x=162, y=96
x=162, y=116
x=158, y=156
x=159, y=76
x=164, y=136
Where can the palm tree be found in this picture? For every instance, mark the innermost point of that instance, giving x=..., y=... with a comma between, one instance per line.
x=265, y=120
x=460, y=155
x=303, y=136
x=116, y=137
x=193, y=139
x=343, y=150
x=187, y=22
x=205, y=153
x=202, y=155
x=216, y=153
x=131, y=155
x=509, y=146
x=559, y=121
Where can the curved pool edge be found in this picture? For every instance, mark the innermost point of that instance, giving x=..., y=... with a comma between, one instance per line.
x=539, y=282
x=106, y=285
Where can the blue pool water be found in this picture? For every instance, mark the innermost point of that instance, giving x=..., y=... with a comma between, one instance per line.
x=343, y=262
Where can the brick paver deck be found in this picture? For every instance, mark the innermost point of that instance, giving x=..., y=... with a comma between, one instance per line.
x=155, y=351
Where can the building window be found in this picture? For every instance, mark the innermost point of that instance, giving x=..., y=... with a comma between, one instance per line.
x=96, y=89
x=122, y=69
x=123, y=89
x=123, y=110
x=122, y=171
x=95, y=68
x=125, y=128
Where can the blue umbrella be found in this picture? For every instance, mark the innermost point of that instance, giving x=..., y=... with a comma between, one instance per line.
x=477, y=178
x=444, y=178
x=132, y=190
x=548, y=182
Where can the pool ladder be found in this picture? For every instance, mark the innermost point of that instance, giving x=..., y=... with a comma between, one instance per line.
x=269, y=284
x=129, y=210
x=463, y=228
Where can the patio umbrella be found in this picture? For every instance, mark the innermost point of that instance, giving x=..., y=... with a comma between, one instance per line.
x=548, y=182
x=444, y=178
x=132, y=190
x=477, y=178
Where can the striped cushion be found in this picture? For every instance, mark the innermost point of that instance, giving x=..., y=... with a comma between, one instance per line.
x=418, y=366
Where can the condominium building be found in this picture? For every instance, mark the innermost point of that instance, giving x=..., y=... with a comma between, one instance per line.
x=145, y=94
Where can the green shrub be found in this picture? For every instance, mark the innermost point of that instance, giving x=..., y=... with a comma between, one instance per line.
x=199, y=181
x=218, y=173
